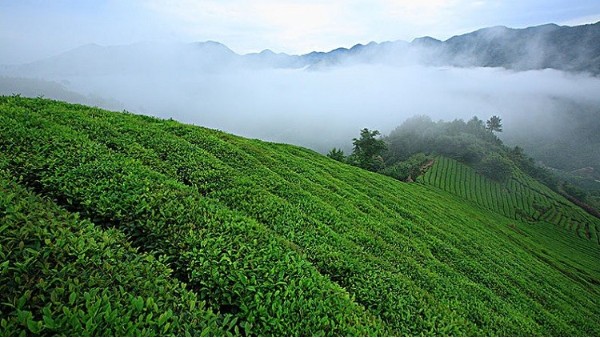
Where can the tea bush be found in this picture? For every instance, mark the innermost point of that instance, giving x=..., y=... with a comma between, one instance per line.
x=272, y=239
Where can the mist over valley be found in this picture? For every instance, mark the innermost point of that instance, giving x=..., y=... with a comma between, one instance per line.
x=385, y=168
x=321, y=99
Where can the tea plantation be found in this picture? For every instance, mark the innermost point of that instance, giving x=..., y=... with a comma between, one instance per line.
x=520, y=198
x=118, y=224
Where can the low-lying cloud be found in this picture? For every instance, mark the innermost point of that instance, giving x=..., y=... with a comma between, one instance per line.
x=326, y=107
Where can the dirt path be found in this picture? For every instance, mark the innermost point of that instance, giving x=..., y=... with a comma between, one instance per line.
x=426, y=166
x=422, y=169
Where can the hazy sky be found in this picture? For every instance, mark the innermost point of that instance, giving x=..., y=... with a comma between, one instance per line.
x=33, y=29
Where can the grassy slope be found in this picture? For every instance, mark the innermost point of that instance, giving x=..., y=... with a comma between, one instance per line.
x=63, y=275
x=520, y=198
x=277, y=239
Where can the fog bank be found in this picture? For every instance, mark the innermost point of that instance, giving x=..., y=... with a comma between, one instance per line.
x=326, y=108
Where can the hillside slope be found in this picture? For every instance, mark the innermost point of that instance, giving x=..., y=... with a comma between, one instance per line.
x=521, y=197
x=273, y=239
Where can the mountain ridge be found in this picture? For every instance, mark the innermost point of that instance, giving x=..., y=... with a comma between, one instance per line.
x=568, y=48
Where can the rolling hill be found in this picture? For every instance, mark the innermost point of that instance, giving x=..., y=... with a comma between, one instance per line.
x=521, y=197
x=117, y=224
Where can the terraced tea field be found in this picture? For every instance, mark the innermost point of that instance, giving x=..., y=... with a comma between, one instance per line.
x=112, y=223
x=521, y=198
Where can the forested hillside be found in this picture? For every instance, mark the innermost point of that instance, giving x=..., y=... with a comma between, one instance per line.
x=408, y=151
x=118, y=224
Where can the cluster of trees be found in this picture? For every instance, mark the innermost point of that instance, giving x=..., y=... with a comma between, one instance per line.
x=403, y=152
x=467, y=142
x=366, y=152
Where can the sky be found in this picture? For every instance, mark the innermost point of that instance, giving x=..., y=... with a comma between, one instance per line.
x=35, y=29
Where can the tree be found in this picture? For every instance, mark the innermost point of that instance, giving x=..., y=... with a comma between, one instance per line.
x=495, y=167
x=337, y=154
x=494, y=124
x=368, y=149
x=475, y=125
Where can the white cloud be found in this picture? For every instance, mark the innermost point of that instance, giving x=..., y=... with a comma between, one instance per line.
x=291, y=26
x=581, y=20
x=301, y=26
x=36, y=29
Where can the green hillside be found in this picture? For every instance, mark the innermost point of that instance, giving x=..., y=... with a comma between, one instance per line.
x=520, y=198
x=113, y=223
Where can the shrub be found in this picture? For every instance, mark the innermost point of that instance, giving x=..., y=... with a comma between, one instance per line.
x=410, y=168
x=495, y=167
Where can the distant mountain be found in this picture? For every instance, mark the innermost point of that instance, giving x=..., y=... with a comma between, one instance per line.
x=268, y=58
x=95, y=60
x=59, y=91
x=548, y=46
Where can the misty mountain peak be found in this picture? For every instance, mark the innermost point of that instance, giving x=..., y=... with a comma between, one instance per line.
x=553, y=25
x=545, y=46
x=267, y=52
x=498, y=28
x=359, y=47
x=90, y=46
x=213, y=45
x=426, y=41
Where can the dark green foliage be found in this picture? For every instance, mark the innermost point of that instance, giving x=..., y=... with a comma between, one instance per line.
x=575, y=191
x=467, y=142
x=494, y=124
x=527, y=165
x=337, y=154
x=471, y=143
x=495, y=167
x=408, y=170
x=271, y=239
x=367, y=150
x=584, y=188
